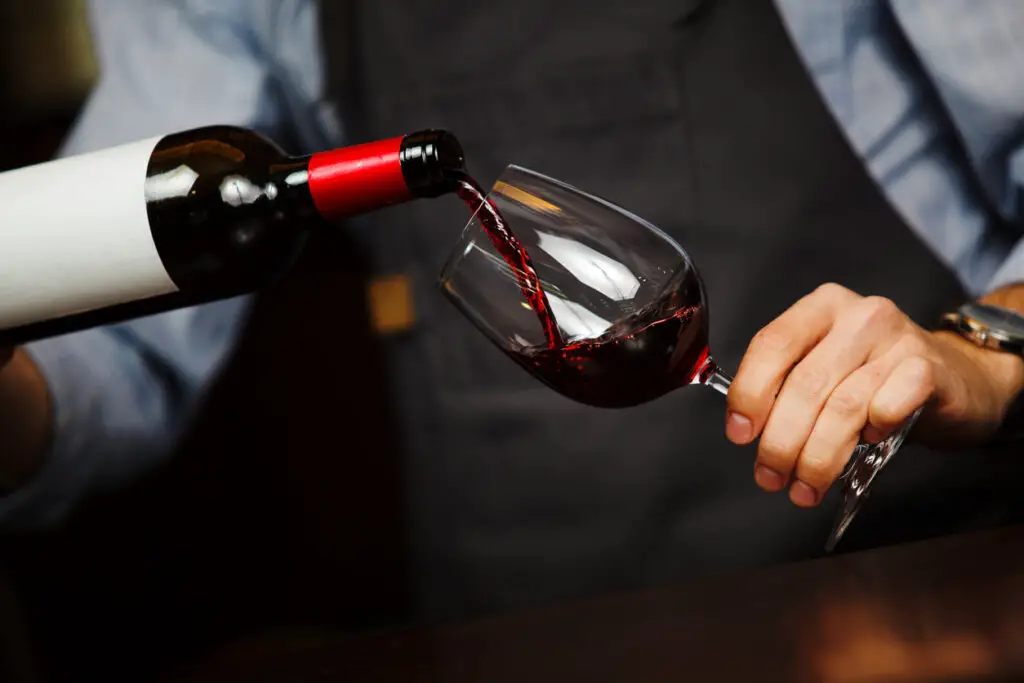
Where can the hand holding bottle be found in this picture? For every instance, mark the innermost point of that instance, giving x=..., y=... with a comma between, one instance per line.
x=165, y=223
x=25, y=418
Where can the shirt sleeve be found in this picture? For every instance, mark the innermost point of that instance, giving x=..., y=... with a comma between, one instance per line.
x=928, y=94
x=1011, y=271
x=123, y=394
x=973, y=55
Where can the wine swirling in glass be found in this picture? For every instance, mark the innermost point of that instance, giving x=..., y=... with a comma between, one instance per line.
x=642, y=356
x=638, y=359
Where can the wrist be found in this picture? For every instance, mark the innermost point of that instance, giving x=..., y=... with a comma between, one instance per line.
x=1007, y=369
x=1002, y=372
x=989, y=335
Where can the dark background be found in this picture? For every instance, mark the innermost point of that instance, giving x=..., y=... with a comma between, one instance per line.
x=280, y=517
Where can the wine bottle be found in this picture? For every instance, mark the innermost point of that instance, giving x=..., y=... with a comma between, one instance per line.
x=184, y=219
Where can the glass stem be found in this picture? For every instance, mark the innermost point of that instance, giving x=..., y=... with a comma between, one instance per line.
x=710, y=375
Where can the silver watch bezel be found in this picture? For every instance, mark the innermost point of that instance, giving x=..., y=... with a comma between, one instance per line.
x=988, y=326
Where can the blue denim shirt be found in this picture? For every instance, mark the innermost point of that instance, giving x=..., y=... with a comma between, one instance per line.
x=904, y=78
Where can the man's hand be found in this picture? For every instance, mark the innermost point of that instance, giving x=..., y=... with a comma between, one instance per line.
x=25, y=418
x=837, y=366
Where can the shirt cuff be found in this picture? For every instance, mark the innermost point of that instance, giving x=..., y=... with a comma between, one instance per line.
x=1011, y=271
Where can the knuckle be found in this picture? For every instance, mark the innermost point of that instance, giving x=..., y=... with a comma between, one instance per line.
x=809, y=380
x=847, y=403
x=882, y=408
x=913, y=345
x=921, y=372
x=776, y=454
x=739, y=396
x=833, y=291
x=885, y=413
x=881, y=310
x=771, y=339
x=817, y=469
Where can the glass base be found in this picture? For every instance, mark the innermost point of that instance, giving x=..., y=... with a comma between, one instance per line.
x=864, y=465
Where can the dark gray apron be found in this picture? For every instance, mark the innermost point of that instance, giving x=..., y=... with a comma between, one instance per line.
x=701, y=118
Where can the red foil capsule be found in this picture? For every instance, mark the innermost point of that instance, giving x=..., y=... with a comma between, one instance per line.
x=352, y=180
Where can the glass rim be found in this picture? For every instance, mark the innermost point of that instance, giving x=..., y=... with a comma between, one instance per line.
x=455, y=255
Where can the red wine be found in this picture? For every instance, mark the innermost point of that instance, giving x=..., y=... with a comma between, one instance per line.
x=184, y=219
x=514, y=253
x=637, y=360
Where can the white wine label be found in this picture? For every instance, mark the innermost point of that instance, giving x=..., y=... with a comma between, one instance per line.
x=75, y=237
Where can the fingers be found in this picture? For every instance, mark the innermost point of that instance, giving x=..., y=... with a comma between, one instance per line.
x=862, y=332
x=836, y=433
x=831, y=369
x=771, y=355
x=882, y=395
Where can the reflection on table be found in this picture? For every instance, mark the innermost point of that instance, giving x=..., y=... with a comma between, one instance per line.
x=944, y=610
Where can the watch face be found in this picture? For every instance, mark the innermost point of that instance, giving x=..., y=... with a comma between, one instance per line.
x=995, y=318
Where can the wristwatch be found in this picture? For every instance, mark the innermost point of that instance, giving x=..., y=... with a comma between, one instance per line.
x=999, y=329
x=988, y=326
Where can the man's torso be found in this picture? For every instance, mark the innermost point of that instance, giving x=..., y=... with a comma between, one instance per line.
x=699, y=117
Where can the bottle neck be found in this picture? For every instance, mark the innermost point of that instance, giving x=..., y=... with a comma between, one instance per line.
x=361, y=178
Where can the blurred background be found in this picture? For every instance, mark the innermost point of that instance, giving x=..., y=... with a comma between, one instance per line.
x=246, y=538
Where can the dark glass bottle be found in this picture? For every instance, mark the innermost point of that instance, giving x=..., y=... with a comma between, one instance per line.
x=185, y=219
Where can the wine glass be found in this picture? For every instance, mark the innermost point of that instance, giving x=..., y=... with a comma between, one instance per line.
x=599, y=304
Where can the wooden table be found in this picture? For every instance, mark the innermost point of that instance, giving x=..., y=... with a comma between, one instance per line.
x=944, y=610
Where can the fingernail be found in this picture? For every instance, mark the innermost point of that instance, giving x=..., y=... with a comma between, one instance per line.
x=803, y=494
x=768, y=479
x=737, y=428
